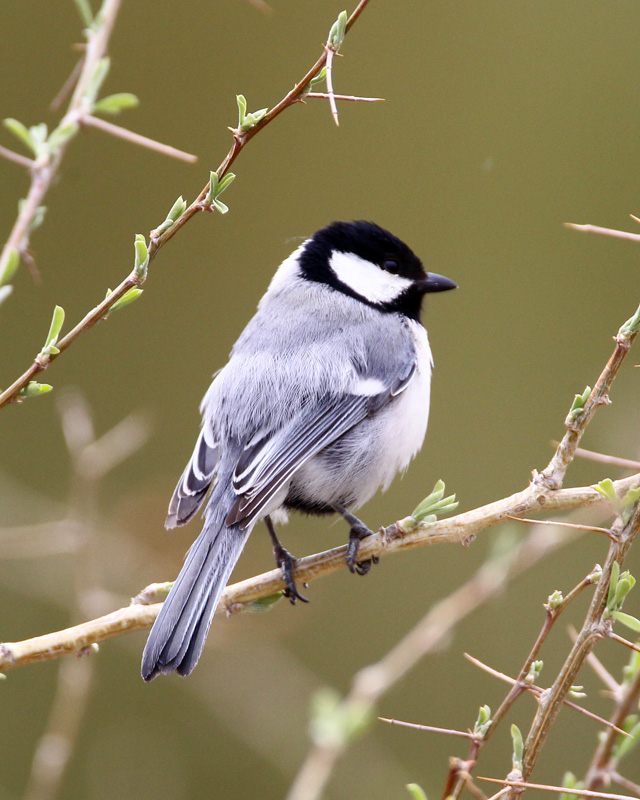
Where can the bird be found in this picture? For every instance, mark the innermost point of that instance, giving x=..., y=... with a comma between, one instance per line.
x=324, y=399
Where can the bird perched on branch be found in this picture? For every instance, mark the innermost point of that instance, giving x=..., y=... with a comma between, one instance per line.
x=324, y=399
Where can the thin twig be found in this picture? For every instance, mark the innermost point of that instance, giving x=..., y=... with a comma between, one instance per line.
x=22, y=161
x=625, y=783
x=561, y=789
x=598, y=667
x=537, y=691
x=329, y=78
x=136, y=138
x=553, y=475
x=625, y=642
x=430, y=728
x=616, y=234
x=561, y=524
x=602, y=458
x=352, y=98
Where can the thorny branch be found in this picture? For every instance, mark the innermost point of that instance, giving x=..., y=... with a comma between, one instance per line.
x=460, y=529
x=157, y=238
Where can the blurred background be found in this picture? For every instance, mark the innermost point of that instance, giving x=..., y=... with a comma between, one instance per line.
x=501, y=122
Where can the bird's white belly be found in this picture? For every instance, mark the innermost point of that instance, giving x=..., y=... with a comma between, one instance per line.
x=378, y=448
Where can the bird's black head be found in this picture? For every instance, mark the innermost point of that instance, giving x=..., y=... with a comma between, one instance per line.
x=367, y=262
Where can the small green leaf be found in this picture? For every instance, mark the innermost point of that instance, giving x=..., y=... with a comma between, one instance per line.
x=98, y=76
x=33, y=389
x=86, y=15
x=54, y=329
x=141, y=256
x=631, y=326
x=625, y=744
x=338, y=31
x=577, y=692
x=314, y=81
x=127, y=298
x=518, y=747
x=628, y=620
x=5, y=291
x=625, y=585
x=607, y=490
x=555, y=600
x=22, y=133
x=416, y=791
x=264, y=603
x=176, y=210
x=62, y=134
x=216, y=187
x=39, y=135
x=578, y=403
x=571, y=782
x=13, y=262
x=534, y=672
x=434, y=504
x=335, y=723
x=483, y=723
x=248, y=121
x=115, y=103
x=613, y=585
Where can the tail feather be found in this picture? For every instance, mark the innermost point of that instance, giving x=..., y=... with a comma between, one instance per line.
x=179, y=633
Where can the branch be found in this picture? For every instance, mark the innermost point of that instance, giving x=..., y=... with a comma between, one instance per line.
x=45, y=168
x=460, y=529
x=161, y=235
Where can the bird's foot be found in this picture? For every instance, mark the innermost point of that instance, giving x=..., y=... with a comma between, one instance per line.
x=356, y=535
x=287, y=564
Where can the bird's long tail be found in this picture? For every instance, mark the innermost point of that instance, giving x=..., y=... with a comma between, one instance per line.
x=178, y=635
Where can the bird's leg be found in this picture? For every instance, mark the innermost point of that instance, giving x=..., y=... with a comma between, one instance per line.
x=286, y=562
x=358, y=532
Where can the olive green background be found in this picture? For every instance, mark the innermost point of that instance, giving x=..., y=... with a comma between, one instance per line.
x=502, y=120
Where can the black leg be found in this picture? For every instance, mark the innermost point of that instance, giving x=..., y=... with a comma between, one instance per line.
x=358, y=532
x=286, y=562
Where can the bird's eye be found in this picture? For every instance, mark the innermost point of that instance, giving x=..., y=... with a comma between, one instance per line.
x=391, y=265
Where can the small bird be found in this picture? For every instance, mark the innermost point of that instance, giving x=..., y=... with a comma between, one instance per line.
x=324, y=399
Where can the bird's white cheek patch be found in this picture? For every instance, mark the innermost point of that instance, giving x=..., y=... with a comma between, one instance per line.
x=367, y=279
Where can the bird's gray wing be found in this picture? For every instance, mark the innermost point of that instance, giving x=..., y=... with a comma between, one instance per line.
x=196, y=479
x=266, y=465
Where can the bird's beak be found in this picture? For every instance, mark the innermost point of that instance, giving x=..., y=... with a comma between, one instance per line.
x=436, y=283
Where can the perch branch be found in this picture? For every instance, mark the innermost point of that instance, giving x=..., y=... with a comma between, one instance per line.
x=460, y=529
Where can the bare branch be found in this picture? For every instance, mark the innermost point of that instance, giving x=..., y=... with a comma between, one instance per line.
x=136, y=138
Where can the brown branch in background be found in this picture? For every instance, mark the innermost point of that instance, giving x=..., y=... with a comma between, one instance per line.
x=615, y=234
x=460, y=529
x=16, y=158
x=373, y=682
x=157, y=238
x=44, y=169
x=91, y=459
x=602, y=458
x=136, y=138
x=553, y=475
x=557, y=789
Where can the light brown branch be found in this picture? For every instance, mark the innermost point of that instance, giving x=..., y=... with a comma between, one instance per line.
x=460, y=529
x=136, y=138
x=22, y=161
x=602, y=458
x=156, y=239
x=632, y=237
x=561, y=789
x=430, y=728
x=44, y=170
